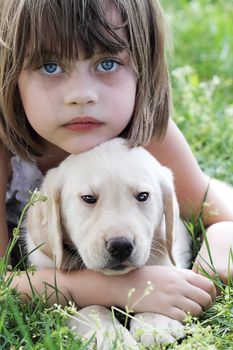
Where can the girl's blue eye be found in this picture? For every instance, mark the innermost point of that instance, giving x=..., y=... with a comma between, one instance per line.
x=51, y=69
x=108, y=65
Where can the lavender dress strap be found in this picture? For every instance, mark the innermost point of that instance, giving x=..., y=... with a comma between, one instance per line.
x=25, y=176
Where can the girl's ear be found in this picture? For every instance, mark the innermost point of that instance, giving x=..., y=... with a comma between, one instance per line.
x=171, y=209
x=43, y=222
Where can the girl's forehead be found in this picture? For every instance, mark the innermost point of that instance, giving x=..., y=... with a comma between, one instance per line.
x=113, y=14
x=77, y=30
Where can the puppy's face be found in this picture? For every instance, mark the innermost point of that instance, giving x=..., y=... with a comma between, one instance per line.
x=108, y=207
x=111, y=207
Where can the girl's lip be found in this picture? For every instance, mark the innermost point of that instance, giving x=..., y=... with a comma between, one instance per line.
x=84, y=119
x=83, y=124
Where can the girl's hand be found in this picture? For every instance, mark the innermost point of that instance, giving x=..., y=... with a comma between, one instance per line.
x=220, y=240
x=175, y=291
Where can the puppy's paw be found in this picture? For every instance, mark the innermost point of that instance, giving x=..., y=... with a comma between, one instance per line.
x=149, y=328
x=97, y=322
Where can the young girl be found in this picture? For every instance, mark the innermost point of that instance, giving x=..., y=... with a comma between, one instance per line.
x=74, y=74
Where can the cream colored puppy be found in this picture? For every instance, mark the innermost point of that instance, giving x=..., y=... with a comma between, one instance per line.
x=106, y=209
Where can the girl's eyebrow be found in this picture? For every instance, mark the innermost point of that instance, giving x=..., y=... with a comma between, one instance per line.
x=115, y=51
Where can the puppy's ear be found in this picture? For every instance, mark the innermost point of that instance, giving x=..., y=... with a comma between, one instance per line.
x=171, y=209
x=44, y=222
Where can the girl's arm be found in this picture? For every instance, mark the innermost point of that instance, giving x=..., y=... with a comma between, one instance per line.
x=190, y=182
x=191, y=186
x=175, y=291
x=4, y=174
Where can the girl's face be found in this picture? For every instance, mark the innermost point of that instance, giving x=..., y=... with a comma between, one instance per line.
x=76, y=106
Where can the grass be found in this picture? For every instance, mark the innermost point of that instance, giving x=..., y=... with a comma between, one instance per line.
x=202, y=80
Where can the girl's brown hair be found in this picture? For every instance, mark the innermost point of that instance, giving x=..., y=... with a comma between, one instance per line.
x=32, y=30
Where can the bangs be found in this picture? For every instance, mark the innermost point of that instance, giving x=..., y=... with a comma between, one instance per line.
x=71, y=29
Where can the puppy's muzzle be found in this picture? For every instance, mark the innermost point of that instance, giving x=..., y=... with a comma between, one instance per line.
x=120, y=249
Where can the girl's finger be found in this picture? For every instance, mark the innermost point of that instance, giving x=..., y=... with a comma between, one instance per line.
x=203, y=283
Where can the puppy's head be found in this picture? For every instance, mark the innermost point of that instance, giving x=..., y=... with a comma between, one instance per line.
x=107, y=205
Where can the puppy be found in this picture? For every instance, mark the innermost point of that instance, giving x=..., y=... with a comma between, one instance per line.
x=106, y=210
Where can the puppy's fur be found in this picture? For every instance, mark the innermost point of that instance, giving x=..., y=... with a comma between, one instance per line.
x=110, y=209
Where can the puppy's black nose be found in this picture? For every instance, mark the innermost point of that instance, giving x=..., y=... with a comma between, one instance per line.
x=120, y=248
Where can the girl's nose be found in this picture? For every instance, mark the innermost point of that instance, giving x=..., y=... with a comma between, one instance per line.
x=80, y=90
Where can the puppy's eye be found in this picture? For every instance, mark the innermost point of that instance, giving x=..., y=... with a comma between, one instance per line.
x=142, y=196
x=89, y=199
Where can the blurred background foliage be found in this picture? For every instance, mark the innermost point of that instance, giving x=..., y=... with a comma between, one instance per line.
x=201, y=68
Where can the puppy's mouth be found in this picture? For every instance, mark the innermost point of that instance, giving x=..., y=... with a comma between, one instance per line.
x=111, y=268
x=119, y=267
x=118, y=270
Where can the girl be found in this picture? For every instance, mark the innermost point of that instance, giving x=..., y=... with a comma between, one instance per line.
x=74, y=74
